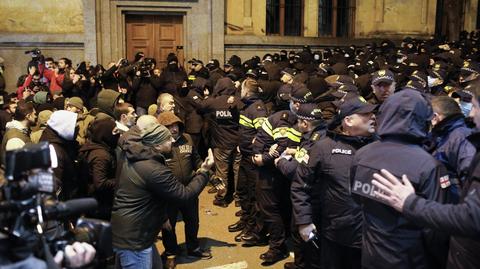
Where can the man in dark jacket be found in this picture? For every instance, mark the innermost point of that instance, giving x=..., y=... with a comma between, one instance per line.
x=61, y=133
x=320, y=193
x=194, y=121
x=183, y=161
x=98, y=165
x=449, y=143
x=145, y=89
x=312, y=126
x=390, y=240
x=215, y=72
x=172, y=77
x=225, y=114
x=272, y=189
x=461, y=221
x=145, y=187
x=252, y=117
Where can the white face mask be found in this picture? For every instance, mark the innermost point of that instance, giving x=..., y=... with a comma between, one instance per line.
x=432, y=82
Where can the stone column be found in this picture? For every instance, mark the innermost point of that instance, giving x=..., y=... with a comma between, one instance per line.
x=218, y=30
x=247, y=17
x=90, y=32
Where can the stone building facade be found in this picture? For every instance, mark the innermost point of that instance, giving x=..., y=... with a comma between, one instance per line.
x=98, y=30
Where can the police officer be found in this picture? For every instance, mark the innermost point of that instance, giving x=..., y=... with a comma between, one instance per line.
x=383, y=85
x=251, y=119
x=272, y=189
x=390, y=240
x=225, y=114
x=462, y=221
x=320, y=191
x=313, y=127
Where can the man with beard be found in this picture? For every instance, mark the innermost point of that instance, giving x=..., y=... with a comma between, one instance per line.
x=383, y=85
x=56, y=76
x=18, y=130
x=320, y=193
x=183, y=161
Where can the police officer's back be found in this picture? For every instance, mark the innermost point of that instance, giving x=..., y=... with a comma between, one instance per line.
x=389, y=240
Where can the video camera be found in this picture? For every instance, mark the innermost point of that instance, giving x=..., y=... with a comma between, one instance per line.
x=35, y=53
x=32, y=219
x=145, y=67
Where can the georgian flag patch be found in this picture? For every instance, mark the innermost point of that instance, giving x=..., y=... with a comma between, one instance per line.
x=445, y=182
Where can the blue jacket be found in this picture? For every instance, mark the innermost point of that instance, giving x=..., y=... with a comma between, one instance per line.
x=451, y=146
x=389, y=239
x=462, y=221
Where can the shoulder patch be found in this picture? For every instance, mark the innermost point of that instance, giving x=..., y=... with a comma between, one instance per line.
x=445, y=182
x=259, y=107
x=315, y=137
x=285, y=115
x=195, y=97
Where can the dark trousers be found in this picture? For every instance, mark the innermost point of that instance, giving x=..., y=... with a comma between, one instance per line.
x=273, y=196
x=226, y=160
x=336, y=256
x=245, y=189
x=189, y=212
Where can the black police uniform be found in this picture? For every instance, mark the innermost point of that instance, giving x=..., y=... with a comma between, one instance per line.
x=321, y=195
x=390, y=240
x=288, y=168
x=224, y=127
x=272, y=187
x=251, y=119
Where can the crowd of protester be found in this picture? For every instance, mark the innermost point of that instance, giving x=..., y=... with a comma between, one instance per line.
x=362, y=157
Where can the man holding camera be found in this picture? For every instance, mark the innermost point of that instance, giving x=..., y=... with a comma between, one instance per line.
x=145, y=187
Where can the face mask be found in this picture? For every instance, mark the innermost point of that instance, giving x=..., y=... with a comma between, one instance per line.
x=466, y=107
x=432, y=81
x=290, y=105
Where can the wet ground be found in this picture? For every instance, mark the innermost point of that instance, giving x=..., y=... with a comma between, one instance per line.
x=213, y=234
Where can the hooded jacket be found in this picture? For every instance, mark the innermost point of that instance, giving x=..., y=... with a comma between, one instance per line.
x=65, y=173
x=451, y=146
x=193, y=120
x=98, y=165
x=224, y=116
x=462, y=221
x=146, y=185
x=15, y=137
x=389, y=239
x=106, y=101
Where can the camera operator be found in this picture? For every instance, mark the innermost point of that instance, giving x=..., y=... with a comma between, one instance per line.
x=27, y=184
x=145, y=86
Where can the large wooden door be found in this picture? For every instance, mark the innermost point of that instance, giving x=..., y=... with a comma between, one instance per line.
x=156, y=36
